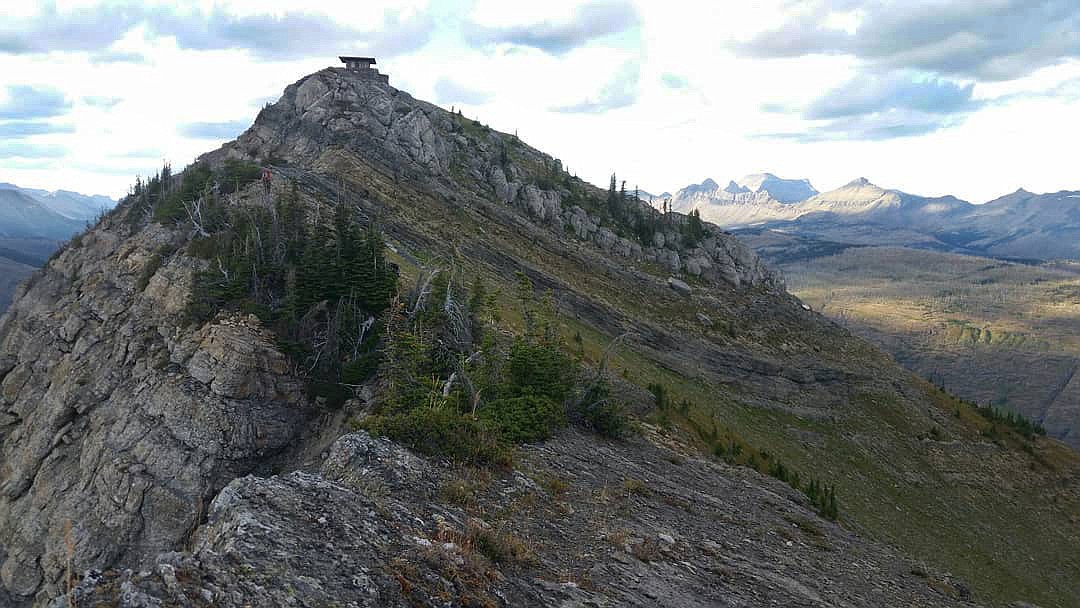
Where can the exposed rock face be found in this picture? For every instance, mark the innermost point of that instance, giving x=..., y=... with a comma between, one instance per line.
x=582, y=225
x=505, y=191
x=118, y=424
x=542, y=204
x=370, y=530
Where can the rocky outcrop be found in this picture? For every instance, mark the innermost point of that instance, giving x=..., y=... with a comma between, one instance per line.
x=541, y=204
x=504, y=190
x=679, y=286
x=376, y=526
x=118, y=422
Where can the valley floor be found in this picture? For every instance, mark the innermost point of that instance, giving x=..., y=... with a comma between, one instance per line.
x=990, y=331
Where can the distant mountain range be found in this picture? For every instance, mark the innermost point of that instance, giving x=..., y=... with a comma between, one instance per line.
x=33, y=223
x=1019, y=225
x=31, y=213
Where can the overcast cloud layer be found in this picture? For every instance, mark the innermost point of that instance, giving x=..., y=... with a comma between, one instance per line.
x=269, y=37
x=984, y=39
x=969, y=97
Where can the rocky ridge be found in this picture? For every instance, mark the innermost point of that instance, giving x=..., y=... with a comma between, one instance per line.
x=129, y=438
x=416, y=140
x=119, y=425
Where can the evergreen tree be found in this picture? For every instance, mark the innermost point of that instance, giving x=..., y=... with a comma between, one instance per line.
x=614, y=204
x=693, y=230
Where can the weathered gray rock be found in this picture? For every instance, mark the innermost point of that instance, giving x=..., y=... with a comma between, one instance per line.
x=679, y=286
x=369, y=531
x=504, y=190
x=541, y=204
x=421, y=141
x=605, y=239
x=580, y=222
x=233, y=365
x=698, y=265
x=122, y=422
x=670, y=259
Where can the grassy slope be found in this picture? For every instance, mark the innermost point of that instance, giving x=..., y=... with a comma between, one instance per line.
x=996, y=515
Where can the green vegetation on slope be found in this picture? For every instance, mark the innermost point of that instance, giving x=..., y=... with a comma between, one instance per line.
x=458, y=385
x=733, y=449
x=966, y=503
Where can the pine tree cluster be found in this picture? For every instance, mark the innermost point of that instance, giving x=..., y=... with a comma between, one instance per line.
x=319, y=284
x=1017, y=422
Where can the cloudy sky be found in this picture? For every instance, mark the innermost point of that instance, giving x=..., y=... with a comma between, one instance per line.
x=970, y=97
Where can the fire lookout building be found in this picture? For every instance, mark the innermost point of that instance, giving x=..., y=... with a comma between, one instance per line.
x=364, y=66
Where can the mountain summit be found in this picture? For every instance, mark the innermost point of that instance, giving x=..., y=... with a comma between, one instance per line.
x=417, y=363
x=783, y=190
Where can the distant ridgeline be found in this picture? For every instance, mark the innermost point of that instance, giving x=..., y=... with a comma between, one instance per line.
x=33, y=224
x=1019, y=226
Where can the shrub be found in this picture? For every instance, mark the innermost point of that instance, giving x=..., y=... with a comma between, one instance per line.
x=499, y=547
x=458, y=492
x=525, y=419
x=660, y=394
x=636, y=486
x=443, y=432
x=541, y=369
x=356, y=372
x=599, y=412
x=1017, y=422
x=733, y=449
x=236, y=174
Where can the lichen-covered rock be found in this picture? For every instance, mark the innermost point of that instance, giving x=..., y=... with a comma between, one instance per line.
x=378, y=467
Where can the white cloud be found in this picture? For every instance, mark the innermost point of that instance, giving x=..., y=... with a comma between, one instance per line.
x=660, y=137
